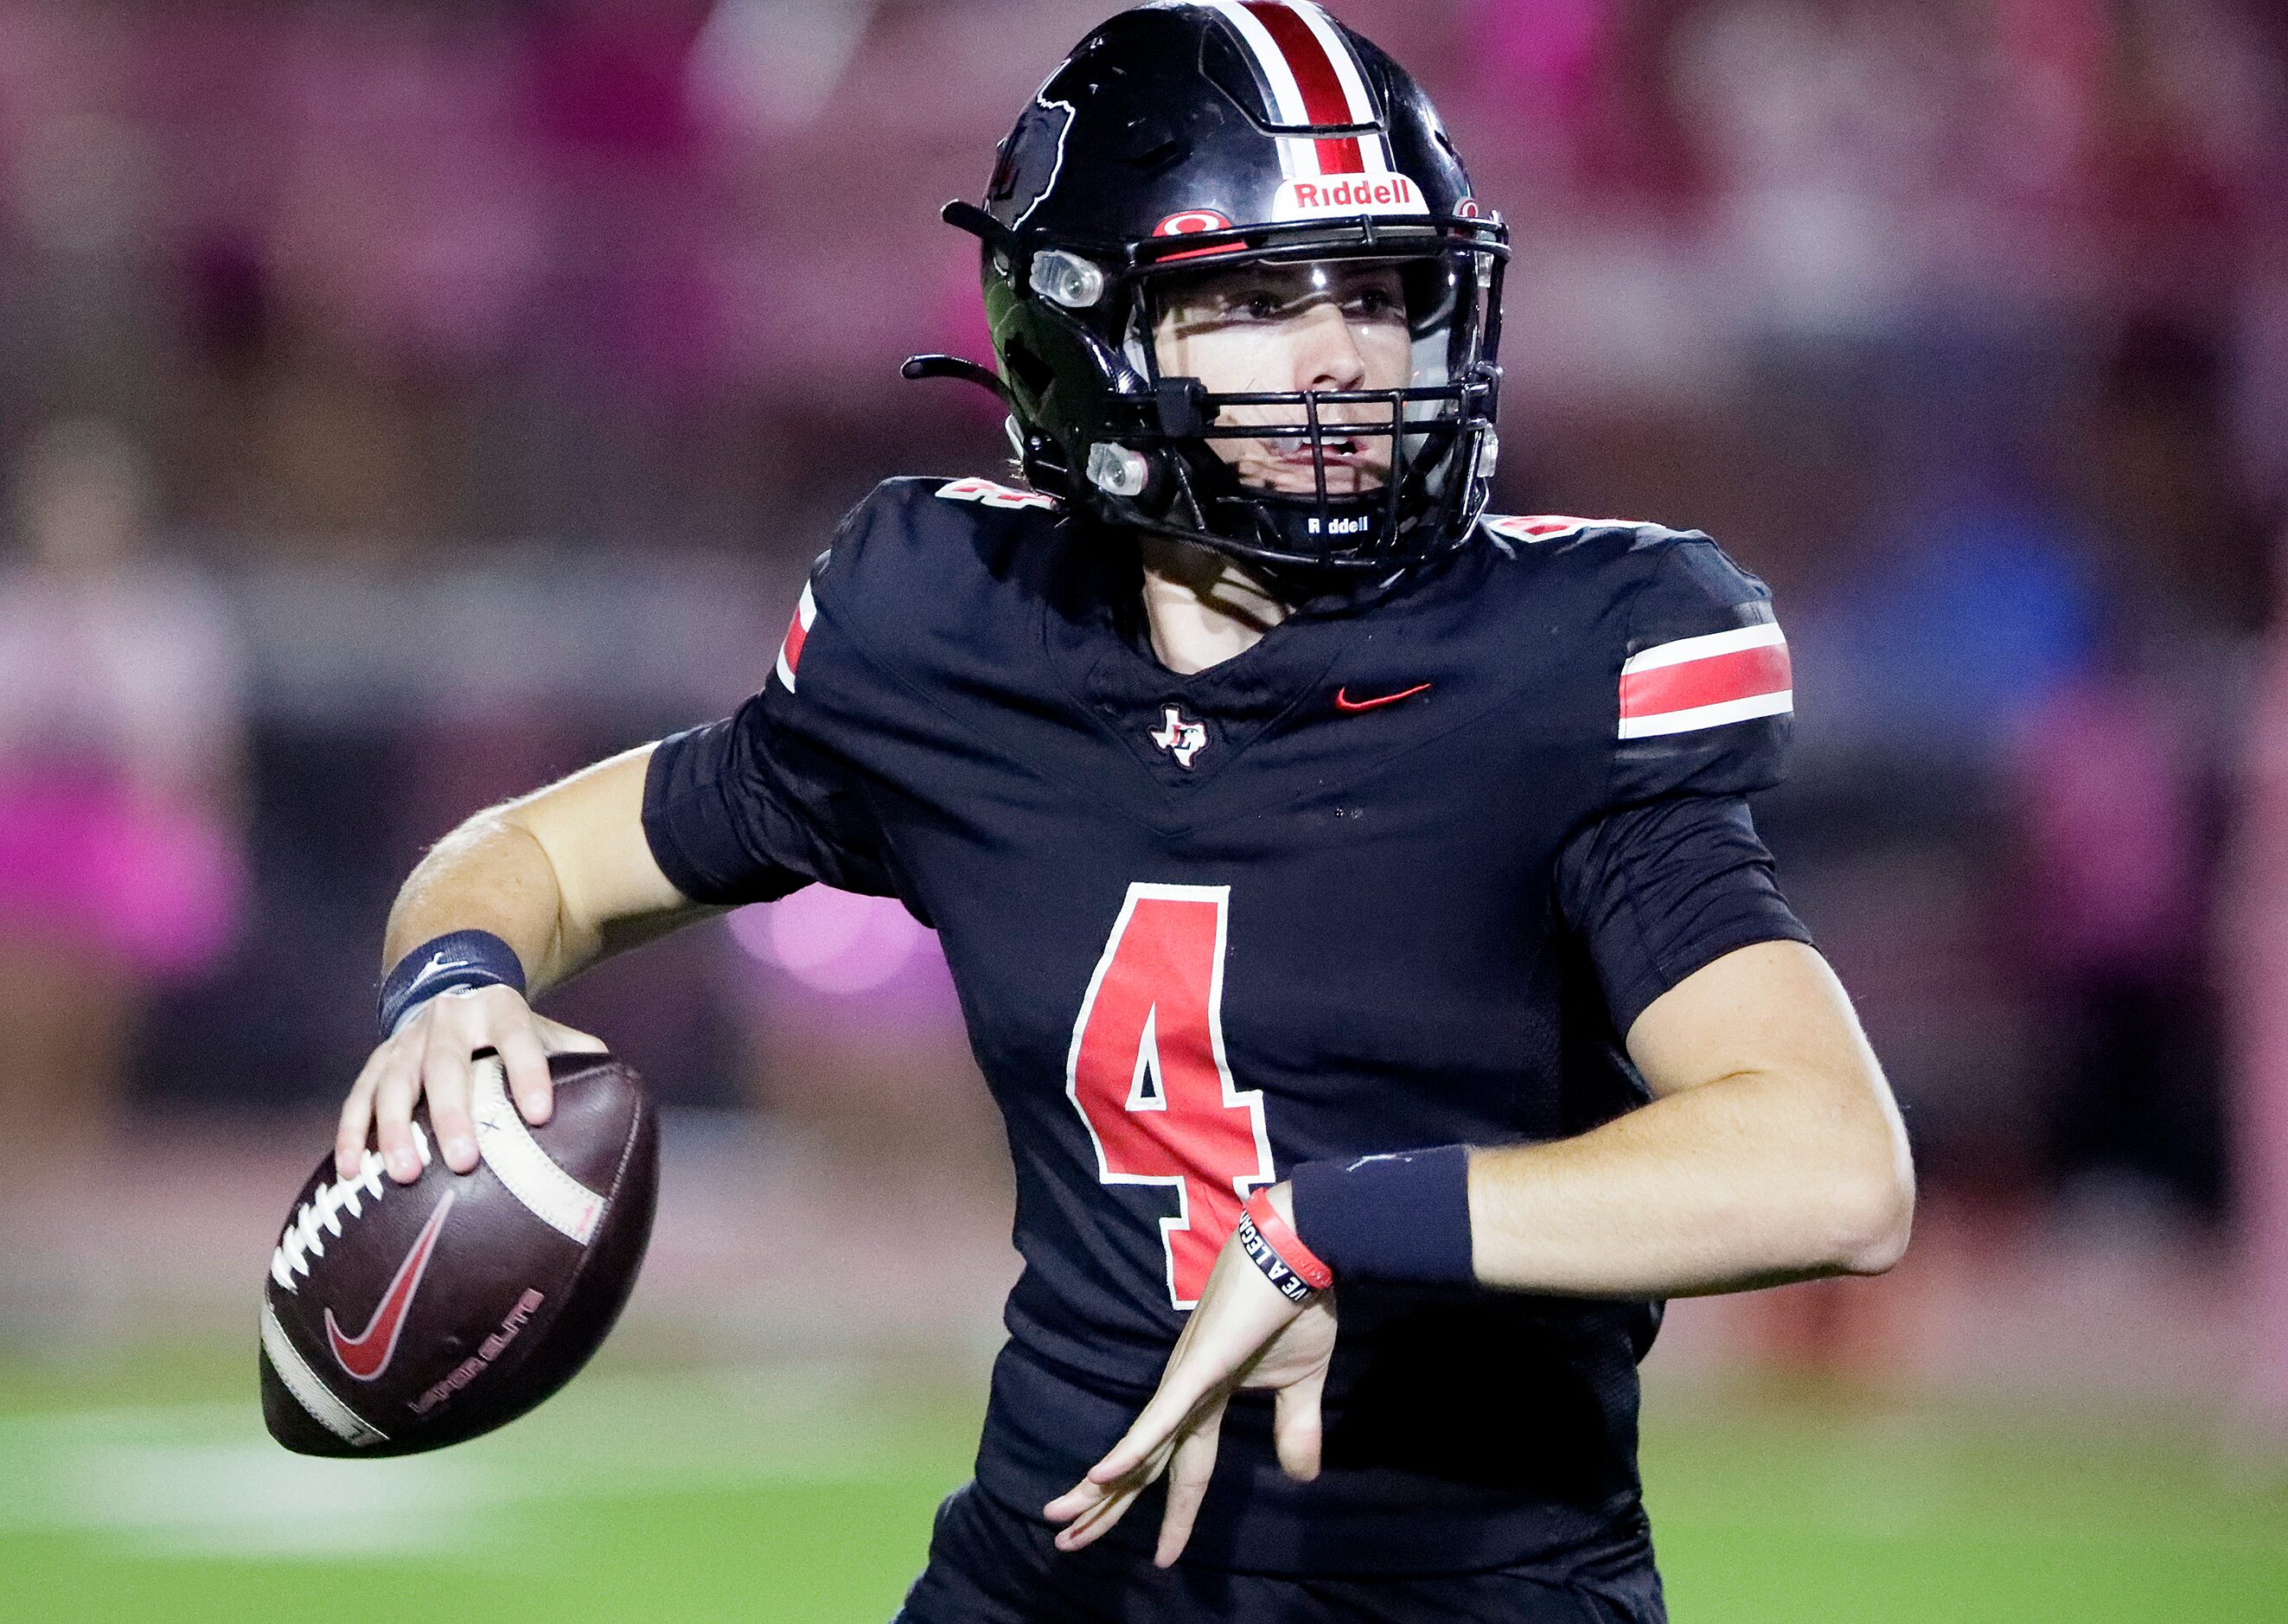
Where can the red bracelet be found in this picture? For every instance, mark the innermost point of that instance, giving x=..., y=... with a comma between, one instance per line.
x=1280, y=1236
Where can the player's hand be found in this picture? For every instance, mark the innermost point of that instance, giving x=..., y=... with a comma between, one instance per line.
x=432, y=1054
x=1244, y=1333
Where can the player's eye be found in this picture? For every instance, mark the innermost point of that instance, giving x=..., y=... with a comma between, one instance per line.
x=1373, y=304
x=1261, y=304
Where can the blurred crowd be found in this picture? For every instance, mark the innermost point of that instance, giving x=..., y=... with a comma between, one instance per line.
x=406, y=402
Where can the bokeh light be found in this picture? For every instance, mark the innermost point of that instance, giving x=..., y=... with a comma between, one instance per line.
x=834, y=941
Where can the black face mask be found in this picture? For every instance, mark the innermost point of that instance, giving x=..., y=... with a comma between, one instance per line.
x=1438, y=436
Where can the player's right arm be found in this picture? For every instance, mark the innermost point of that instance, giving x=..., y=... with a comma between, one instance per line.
x=565, y=876
x=741, y=810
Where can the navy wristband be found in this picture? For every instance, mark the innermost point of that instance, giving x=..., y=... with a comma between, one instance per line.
x=1403, y=1217
x=447, y=964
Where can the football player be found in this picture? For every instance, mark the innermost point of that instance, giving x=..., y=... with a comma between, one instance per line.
x=1352, y=897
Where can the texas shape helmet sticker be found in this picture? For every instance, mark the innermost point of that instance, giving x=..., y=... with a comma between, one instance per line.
x=1031, y=160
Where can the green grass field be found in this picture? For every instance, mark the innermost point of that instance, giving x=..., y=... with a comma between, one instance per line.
x=149, y=1492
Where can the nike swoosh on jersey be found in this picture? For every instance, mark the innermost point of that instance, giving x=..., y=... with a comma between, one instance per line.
x=1344, y=702
x=366, y=1355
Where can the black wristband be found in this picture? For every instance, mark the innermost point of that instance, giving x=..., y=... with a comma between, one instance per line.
x=1403, y=1217
x=447, y=964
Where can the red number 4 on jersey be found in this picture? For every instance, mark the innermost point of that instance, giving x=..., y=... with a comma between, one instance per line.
x=1148, y=1074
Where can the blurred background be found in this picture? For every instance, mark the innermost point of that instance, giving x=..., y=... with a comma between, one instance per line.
x=401, y=404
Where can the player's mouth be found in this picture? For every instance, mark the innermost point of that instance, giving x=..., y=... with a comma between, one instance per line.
x=1352, y=465
x=1335, y=453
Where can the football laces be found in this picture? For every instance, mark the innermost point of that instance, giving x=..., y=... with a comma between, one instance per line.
x=321, y=1215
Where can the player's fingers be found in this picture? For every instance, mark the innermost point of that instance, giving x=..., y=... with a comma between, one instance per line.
x=1182, y=1392
x=1087, y=1502
x=1078, y=1507
x=464, y=1024
x=1107, y=1510
x=394, y=1092
x=1295, y=1428
x=445, y=1076
x=1150, y=1434
x=1189, y=1471
x=558, y=1039
x=356, y=1119
x=1099, y=1519
x=1088, y=1495
x=449, y=1116
x=527, y=1065
x=1073, y=1500
x=1189, y=1382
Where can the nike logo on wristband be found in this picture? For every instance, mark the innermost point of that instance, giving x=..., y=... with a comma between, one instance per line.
x=440, y=965
x=413, y=1000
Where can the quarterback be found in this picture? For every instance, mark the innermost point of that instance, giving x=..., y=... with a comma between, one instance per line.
x=1352, y=895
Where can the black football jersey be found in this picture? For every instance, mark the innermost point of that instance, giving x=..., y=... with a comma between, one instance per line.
x=1400, y=875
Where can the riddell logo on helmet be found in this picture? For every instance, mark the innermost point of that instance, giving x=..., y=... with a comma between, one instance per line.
x=1342, y=194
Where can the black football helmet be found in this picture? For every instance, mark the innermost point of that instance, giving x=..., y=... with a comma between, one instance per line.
x=1184, y=136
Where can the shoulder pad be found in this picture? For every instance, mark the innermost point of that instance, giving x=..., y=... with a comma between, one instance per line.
x=987, y=493
x=919, y=577
x=899, y=516
x=1555, y=527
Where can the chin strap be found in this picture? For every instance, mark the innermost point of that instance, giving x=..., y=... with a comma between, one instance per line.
x=920, y=367
x=1041, y=469
x=964, y=216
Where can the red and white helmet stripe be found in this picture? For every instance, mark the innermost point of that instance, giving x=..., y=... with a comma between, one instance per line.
x=1315, y=80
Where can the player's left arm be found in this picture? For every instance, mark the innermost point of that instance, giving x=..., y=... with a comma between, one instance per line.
x=1772, y=1150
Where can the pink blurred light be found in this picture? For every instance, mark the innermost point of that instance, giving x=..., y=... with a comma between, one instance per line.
x=831, y=940
x=159, y=884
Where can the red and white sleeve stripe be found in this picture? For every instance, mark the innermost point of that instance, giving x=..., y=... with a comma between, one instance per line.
x=1697, y=682
x=797, y=632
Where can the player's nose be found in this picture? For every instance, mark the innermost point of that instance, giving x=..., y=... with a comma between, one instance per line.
x=1327, y=352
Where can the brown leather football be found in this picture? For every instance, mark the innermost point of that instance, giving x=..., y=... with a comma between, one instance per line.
x=400, y=1317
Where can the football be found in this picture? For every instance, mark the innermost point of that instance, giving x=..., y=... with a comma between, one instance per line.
x=400, y=1317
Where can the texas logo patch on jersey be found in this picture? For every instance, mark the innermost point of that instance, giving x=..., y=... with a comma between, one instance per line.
x=1180, y=737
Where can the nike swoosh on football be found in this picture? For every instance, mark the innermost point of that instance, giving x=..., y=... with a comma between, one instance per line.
x=366, y=1355
x=1344, y=702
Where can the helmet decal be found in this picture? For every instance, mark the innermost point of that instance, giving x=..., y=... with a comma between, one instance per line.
x=1033, y=159
x=1190, y=221
x=1315, y=82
